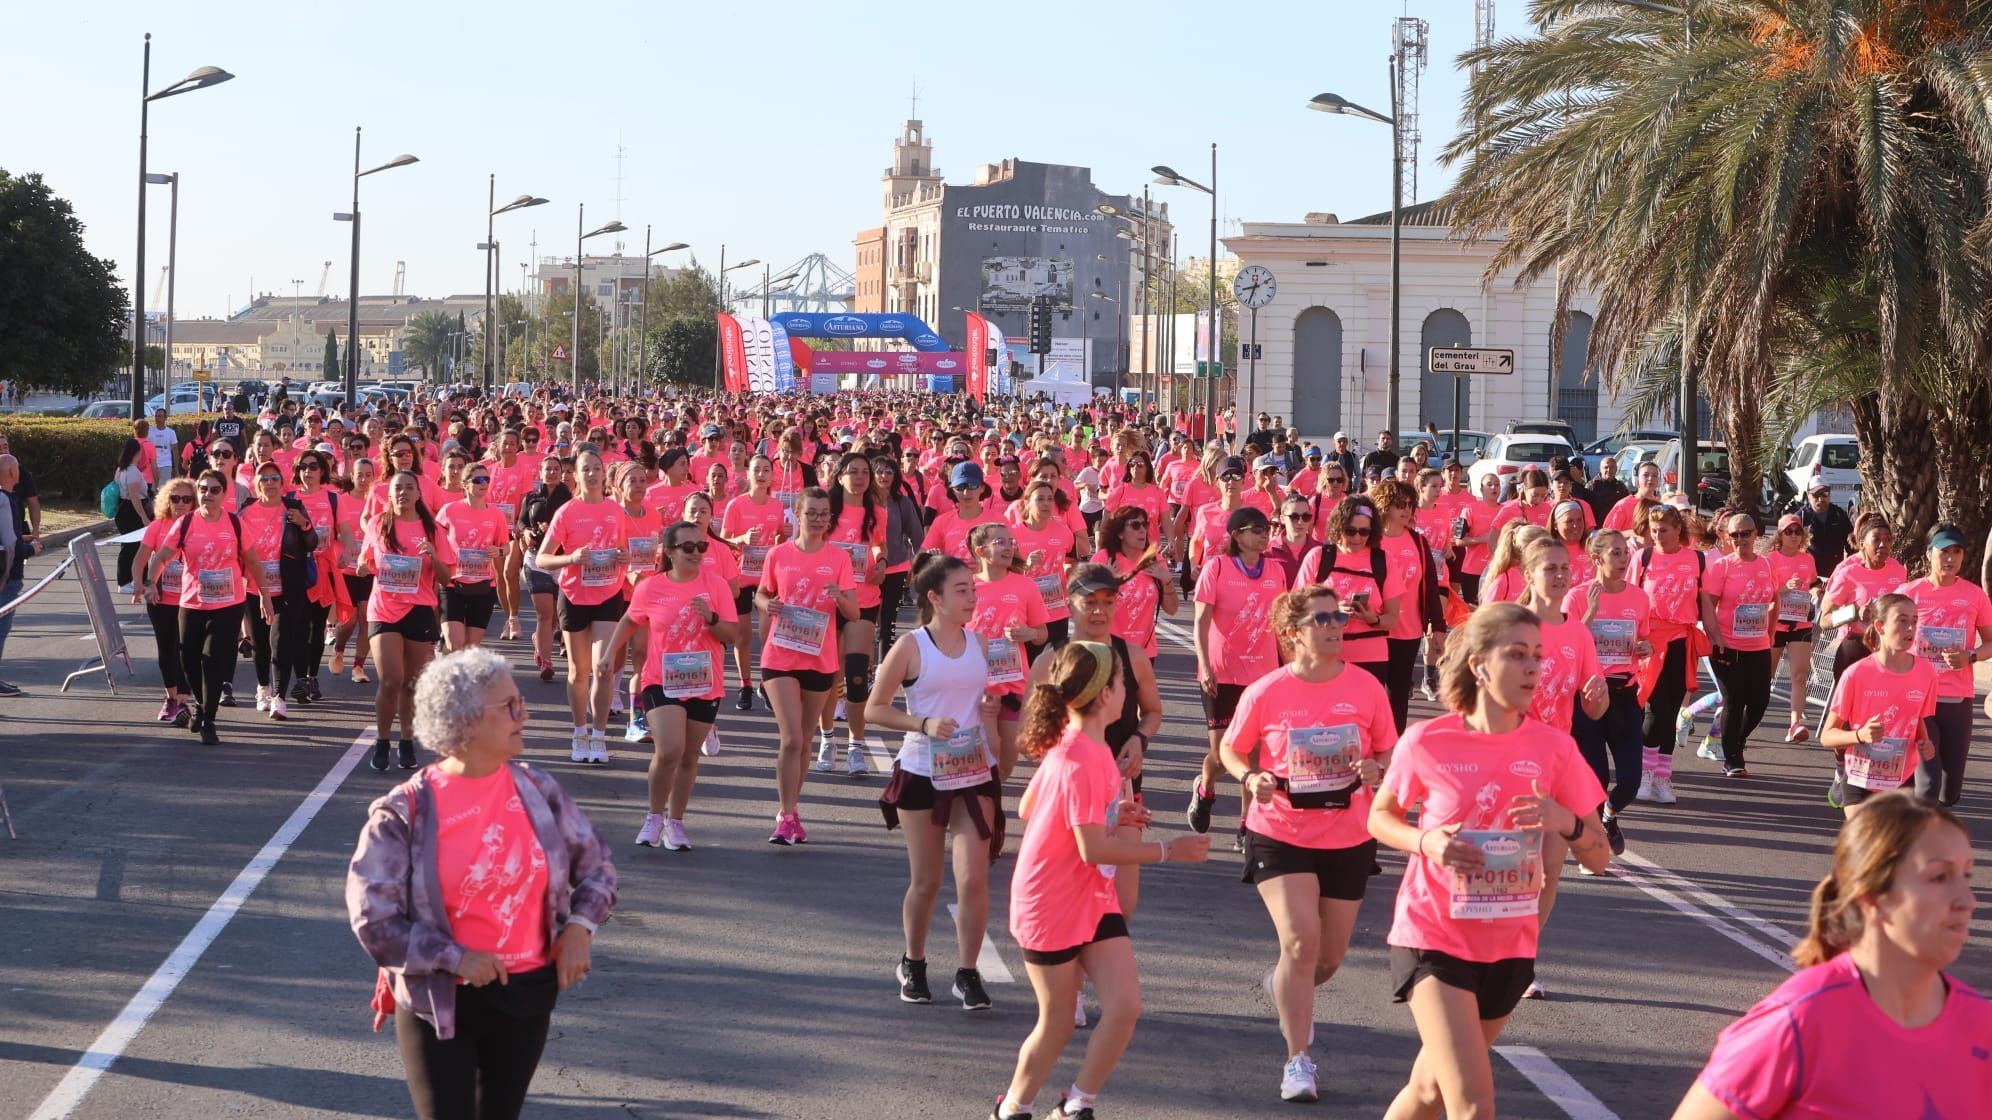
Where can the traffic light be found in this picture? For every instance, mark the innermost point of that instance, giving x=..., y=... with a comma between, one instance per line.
x=1040, y=326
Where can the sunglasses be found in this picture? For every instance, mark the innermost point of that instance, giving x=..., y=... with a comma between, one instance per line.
x=1356, y=531
x=276, y=478
x=184, y=499
x=696, y=548
x=1793, y=531
x=1255, y=529
x=311, y=465
x=1328, y=618
x=1301, y=517
x=1231, y=478
x=1335, y=479
x=221, y=455
x=1741, y=534
x=480, y=480
x=211, y=489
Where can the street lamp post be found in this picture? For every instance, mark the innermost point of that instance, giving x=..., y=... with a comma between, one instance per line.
x=200, y=79
x=574, y=356
x=490, y=247
x=1119, y=310
x=353, y=290
x=767, y=288
x=172, y=277
x=643, y=343
x=1330, y=103
x=1168, y=177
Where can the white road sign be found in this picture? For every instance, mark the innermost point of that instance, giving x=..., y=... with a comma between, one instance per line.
x=1482, y=360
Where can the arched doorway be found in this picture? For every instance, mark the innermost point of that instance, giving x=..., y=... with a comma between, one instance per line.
x=1576, y=396
x=1317, y=373
x=1444, y=328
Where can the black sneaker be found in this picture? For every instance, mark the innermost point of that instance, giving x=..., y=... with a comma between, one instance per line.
x=1735, y=772
x=193, y=724
x=1614, y=837
x=227, y=696
x=208, y=737
x=1202, y=801
x=407, y=753
x=912, y=976
x=379, y=761
x=299, y=693
x=746, y=701
x=968, y=989
x=183, y=717
x=311, y=688
x=1064, y=1113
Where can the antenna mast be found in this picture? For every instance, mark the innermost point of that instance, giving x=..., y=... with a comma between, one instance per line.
x=1408, y=41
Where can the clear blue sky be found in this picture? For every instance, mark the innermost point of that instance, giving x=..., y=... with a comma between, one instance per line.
x=764, y=126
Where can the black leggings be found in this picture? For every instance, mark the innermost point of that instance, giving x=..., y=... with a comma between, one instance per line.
x=890, y=592
x=279, y=645
x=311, y=652
x=127, y=520
x=207, y=652
x=1743, y=676
x=1664, y=706
x=1403, y=666
x=1612, y=745
x=166, y=636
x=480, y=1074
x=1941, y=779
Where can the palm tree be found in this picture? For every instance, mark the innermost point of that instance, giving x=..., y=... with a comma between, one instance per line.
x=1796, y=188
x=426, y=339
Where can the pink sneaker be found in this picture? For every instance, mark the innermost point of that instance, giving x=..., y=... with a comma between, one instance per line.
x=782, y=835
x=797, y=833
x=166, y=711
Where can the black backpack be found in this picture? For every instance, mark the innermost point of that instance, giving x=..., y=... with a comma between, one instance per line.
x=1378, y=574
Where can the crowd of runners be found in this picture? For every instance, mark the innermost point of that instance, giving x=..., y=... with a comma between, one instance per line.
x=700, y=553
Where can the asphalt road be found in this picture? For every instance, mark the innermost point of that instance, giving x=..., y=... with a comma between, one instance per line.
x=744, y=980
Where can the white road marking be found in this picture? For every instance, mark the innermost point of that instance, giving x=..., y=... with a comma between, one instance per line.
x=988, y=962
x=882, y=758
x=1765, y=928
x=111, y=1044
x=1176, y=633
x=1682, y=896
x=1550, y=1079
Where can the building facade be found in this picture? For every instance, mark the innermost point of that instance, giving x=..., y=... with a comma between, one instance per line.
x=868, y=293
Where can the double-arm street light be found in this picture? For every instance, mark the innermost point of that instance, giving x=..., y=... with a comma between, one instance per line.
x=643, y=340
x=767, y=288
x=200, y=79
x=580, y=223
x=490, y=247
x=1331, y=103
x=353, y=288
x=1167, y=176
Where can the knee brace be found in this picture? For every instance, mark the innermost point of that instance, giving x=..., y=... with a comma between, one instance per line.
x=857, y=678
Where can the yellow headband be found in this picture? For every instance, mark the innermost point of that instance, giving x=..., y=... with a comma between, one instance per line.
x=1103, y=668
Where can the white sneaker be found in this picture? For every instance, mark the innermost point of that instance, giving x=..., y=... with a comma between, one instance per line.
x=262, y=698
x=854, y=763
x=278, y=709
x=1645, y=787
x=125, y=588
x=1535, y=990
x=710, y=748
x=598, y=746
x=1431, y=696
x=652, y=830
x=1663, y=789
x=826, y=753
x=840, y=710
x=675, y=839
x=1297, y=1080
x=579, y=751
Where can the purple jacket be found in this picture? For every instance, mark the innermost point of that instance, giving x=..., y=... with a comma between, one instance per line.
x=395, y=904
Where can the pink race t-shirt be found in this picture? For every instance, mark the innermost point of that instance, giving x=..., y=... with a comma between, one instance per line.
x=1053, y=546
x=1350, y=576
x=1339, y=722
x=212, y=557
x=1672, y=582
x=1152, y=499
x=866, y=555
x=1518, y=510
x=1056, y=898
x=1404, y=554
x=1010, y=600
x=1136, y=607
x=1624, y=619
x=668, y=498
x=478, y=536
x=158, y=533
x=1176, y=478
x=644, y=531
x=1794, y=604
x=1855, y=584
x=263, y=532
x=802, y=630
x=949, y=532
x=403, y=577
x=1569, y=658
x=1479, y=518
x=762, y=523
x=1949, y=618
x=491, y=868
x=1472, y=778
x=1818, y=1048
x=679, y=639
x=1903, y=701
x=1241, y=647
x=1746, y=599
x=600, y=530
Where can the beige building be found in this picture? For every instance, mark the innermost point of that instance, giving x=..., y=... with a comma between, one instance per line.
x=869, y=295
x=215, y=344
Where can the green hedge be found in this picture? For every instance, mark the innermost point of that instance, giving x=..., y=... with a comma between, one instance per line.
x=70, y=457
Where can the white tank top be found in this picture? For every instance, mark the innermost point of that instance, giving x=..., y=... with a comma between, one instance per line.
x=947, y=687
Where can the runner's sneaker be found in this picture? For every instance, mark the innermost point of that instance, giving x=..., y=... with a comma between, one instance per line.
x=854, y=763
x=710, y=748
x=1431, y=696
x=968, y=989
x=182, y=714
x=1707, y=749
x=360, y=675
x=338, y=661
x=579, y=751
x=208, y=737
x=545, y=668
x=1684, y=729
x=1202, y=801
x=1735, y=772
x=797, y=833
x=826, y=753
x=1613, y=836
x=781, y=835
x=379, y=761
x=745, y=703
x=1238, y=838
x=1535, y=990
x=652, y=830
x=765, y=702
x=278, y=709
x=1663, y=789
x=7, y=689
x=675, y=839
x=227, y=695
x=912, y=977
x=407, y=751
x=598, y=746
x=298, y=692
x=1645, y=787
x=997, y=1112
x=1297, y=1080
x=638, y=729
x=1797, y=732
x=1065, y=1111
x=262, y=698
x=166, y=710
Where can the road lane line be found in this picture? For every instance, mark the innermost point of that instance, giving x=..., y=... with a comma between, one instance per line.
x=111, y=1044
x=988, y=962
x=1734, y=913
x=881, y=757
x=1684, y=905
x=1174, y=632
x=1551, y=1081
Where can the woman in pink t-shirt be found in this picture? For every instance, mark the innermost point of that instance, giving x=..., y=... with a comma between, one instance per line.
x=161, y=595
x=1670, y=572
x=643, y=535
x=1495, y=787
x=585, y=546
x=1953, y=633
x=677, y=620
x=481, y=536
x=1078, y=829
x=1871, y=1025
x=1234, y=646
x=1127, y=545
x=409, y=556
x=1795, y=577
x=1473, y=528
x=1010, y=613
x=1738, y=598
x=1308, y=743
x=1047, y=543
x=752, y=524
x=1860, y=579
x=1884, y=709
x=1620, y=620
x=857, y=526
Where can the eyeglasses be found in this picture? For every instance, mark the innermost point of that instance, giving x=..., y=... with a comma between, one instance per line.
x=1791, y=531
x=696, y=548
x=1356, y=531
x=1301, y=517
x=515, y=706
x=276, y=478
x=221, y=454
x=211, y=489
x=311, y=465
x=183, y=499
x=1328, y=618
x=1254, y=529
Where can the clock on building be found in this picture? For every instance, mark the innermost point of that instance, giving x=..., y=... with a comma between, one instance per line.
x=1254, y=286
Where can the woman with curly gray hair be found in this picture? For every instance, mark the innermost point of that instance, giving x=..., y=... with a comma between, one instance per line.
x=477, y=887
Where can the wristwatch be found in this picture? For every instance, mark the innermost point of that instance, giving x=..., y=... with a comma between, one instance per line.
x=1574, y=835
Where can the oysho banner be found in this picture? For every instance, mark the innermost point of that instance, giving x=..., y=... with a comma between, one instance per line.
x=758, y=344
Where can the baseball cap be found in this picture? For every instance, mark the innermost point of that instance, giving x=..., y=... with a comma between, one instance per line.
x=1246, y=517
x=965, y=474
x=711, y=430
x=1819, y=484
x=1341, y=435
x=1006, y=460
x=1790, y=520
x=1945, y=535
x=1231, y=464
x=1266, y=463
x=1088, y=578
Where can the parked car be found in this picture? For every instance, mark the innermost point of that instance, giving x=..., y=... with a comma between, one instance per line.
x=1834, y=459
x=1511, y=453
x=1637, y=452
x=1598, y=450
x=1470, y=441
x=1712, y=475
x=106, y=410
x=188, y=397
x=1558, y=428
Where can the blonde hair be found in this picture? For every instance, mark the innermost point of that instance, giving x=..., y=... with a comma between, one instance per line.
x=1459, y=688
x=162, y=502
x=1872, y=845
x=1515, y=536
x=1533, y=556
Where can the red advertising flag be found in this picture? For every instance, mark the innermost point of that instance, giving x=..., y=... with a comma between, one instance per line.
x=803, y=355
x=733, y=352
x=978, y=355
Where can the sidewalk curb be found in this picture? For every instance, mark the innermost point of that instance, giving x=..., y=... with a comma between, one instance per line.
x=54, y=542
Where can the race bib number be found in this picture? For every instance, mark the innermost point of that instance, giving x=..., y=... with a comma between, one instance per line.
x=1321, y=765
x=1615, y=639
x=800, y=629
x=349, y=552
x=473, y=565
x=860, y=554
x=785, y=498
x=1752, y=620
x=1932, y=642
x=1794, y=605
x=641, y=549
x=216, y=584
x=754, y=560
x=269, y=574
x=399, y=575
x=1508, y=884
x=959, y=763
x=686, y=675
x=1878, y=766
x=1179, y=488
x=174, y=573
x=1006, y=662
x=507, y=510
x=598, y=567
x=1048, y=589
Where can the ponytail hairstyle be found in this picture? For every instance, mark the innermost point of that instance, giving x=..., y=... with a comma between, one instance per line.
x=1872, y=845
x=1515, y=536
x=929, y=580
x=1876, y=610
x=1459, y=686
x=1601, y=543
x=1077, y=679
